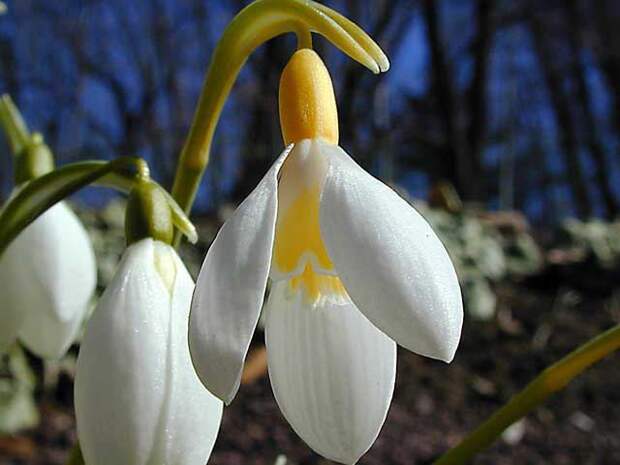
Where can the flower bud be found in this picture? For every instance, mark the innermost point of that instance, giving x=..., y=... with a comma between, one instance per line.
x=47, y=278
x=138, y=399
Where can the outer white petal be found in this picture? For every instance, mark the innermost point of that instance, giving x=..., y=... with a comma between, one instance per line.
x=391, y=262
x=138, y=400
x=331, y=370
x=192, y=414
x=121, y=371
x=231, y=288
x=48, y=275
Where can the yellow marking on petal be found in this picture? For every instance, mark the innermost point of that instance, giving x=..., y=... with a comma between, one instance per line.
x=298, y=233
x=165, y=266
x=307, y=102
x=316, y=285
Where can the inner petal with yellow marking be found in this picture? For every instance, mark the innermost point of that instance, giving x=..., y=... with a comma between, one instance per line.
x=299, y=254
x=316, y=286
x=298, y=236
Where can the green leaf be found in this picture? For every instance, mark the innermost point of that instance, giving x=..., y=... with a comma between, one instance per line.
x=38, y=195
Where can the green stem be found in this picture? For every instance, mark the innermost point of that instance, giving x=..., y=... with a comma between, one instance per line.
x=551, y=380
x=254, y=25
x=304, y=38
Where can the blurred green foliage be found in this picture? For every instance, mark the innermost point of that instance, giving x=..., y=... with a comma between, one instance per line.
x=595, y=239
x=17, y=384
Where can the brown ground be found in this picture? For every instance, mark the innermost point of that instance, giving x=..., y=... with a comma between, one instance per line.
x=434, y=404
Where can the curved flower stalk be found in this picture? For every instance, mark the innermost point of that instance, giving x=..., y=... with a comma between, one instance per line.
x=260, y=21
x=355, y=270
x=137, y=398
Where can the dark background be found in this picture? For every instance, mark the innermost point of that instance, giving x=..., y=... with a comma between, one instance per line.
x=516, y=103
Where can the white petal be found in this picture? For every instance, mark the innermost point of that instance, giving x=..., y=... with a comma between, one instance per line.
x=48, y=275
x=391, y=262
x=193, y=414
x=49, y=337
x=331, y=370
x=121, y=371
x=138, y=400
x=231, y=288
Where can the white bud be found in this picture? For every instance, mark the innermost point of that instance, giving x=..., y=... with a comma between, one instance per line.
x=138, y=400
x=47, y=278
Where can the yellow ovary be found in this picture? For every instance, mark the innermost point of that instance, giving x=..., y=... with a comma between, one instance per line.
x=307, y=102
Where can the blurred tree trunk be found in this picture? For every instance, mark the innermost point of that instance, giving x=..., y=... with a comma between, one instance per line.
x=464, y=144
x=385, y=12
x=606, y=16
x=388, y=23
x=567, y=132
x=596, y=149
x=442, y=89
x=476, y=99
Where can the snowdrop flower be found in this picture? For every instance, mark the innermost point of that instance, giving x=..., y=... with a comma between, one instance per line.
x=355, y=270
x=47, y=275
x=138, y=400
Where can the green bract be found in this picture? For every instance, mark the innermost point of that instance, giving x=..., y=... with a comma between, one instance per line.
x=148, y=214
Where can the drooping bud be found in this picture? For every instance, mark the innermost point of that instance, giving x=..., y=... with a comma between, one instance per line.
x=148, y=214
x=307, y=102
x=48, y=275
x=138, y=400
